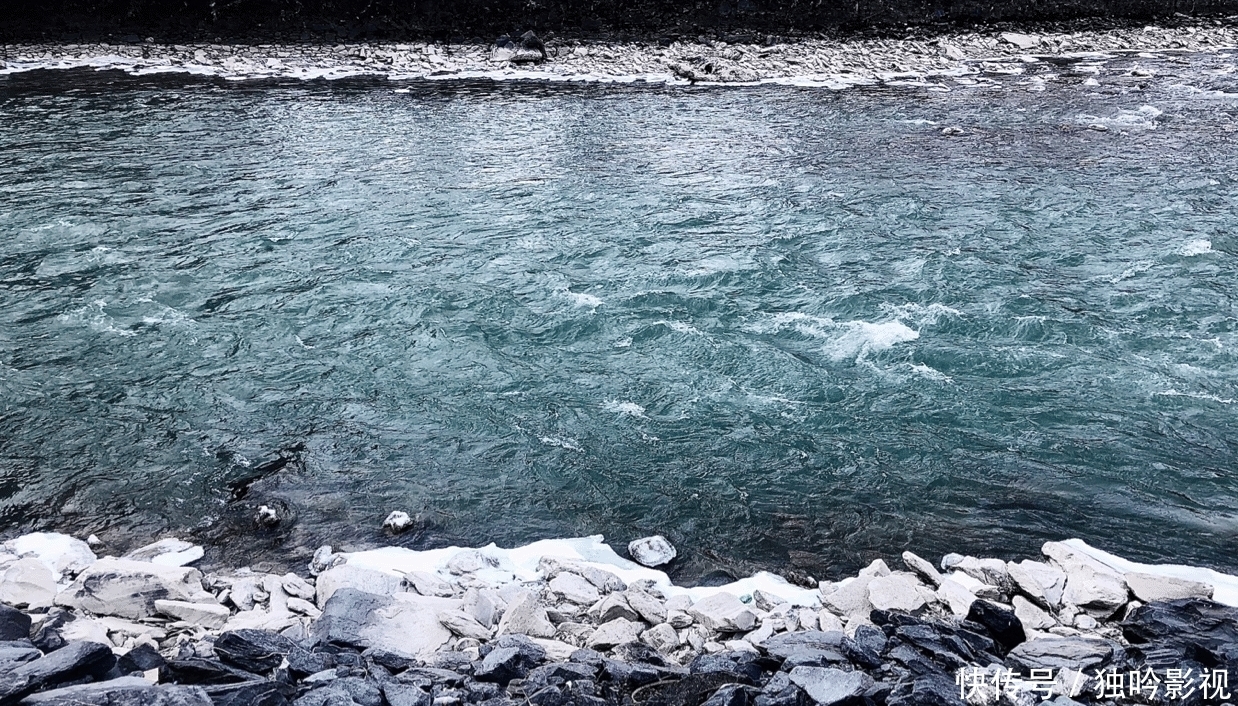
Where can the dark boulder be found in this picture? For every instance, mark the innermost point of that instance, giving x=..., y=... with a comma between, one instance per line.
x=687, y=691
x=926, y=690
x=1186, y=623
x=14, y=624
x=76, y=662
x=733, y=695
x=140, y=659
x=15, y=652
x=255, y=651
x=780, y=691
x=399, y=694
x=504, y=664
x=744, y=667
x=1002, y=624
x=199, y=670
x=559, y=673
x=126, y=691
x=625, y=677
x=251, y=693
x=302, y=663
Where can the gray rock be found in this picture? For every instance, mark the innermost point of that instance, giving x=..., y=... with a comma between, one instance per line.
x=428, y=584
x=28, y=583
x=481, y=608
x=324, y=559
x=652, y=551
x=990, y=571
x=356, y=577
x=208, y=615
x=125, y=691
x=613, y=606
x=298, y=587
x=575, y=588
x=1031, y=615
x=1090, y=585
x=723, y=612
x=462, y=624
x=651, y=609
x=614, y=632
x=1042, y=583
x=1057, y=653
x=661, y=637
x=1150, y=587
x=605, y=581
x=75, y=662
x=404, y=624
x=922, y=568
x=828, y=687
x=527, y=616
x=898, y=591
x=130, y=588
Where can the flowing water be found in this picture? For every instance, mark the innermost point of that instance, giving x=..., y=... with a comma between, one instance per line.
x=785, y=327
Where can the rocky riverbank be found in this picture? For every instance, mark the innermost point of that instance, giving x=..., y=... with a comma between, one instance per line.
x=571, y=622
x=962, y=57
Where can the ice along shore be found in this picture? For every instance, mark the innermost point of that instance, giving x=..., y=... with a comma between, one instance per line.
x=571, y=622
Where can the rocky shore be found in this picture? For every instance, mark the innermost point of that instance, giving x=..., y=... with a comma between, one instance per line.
x=962, y=57
x=571, y=622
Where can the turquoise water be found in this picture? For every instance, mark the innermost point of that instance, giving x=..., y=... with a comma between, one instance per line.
x=784, y=327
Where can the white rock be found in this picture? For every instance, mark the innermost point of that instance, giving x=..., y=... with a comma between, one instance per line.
x=28, y=583
x=956, y=596
x=129, y=588
x=989, y=571
x=324, y=559
x=1041, y=582
x=527, y=616
x=758, y=636
x=806, y=619
x=1022, y=41
x=652, y=551
x=739, y=646
x=1151, y=587
x=258, y=619
x=208, y=615
x=1096, y=588
x=974, y=585
x=723, y=612
x=613, y=606
x=1031, y=615
x=60, y=552
x=397, y=521
x=898, y=591
x=479, y=606
x=169, y=552
x=296, y=586
x=304, y=607
x=923, y=568
x=428, y=584
x=605, y=581
x=463, y=624
x=851, y=597
x=651, y=609
x=575, y=588
x=679, y=619
x=85, y=630
x=556, y=650
x=358, y=577
x=679, y=602
x=615, y=632
x=828, y=622
x=661, y=637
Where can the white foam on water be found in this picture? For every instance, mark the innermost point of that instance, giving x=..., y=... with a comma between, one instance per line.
x=1225, y=585
x=94, y=316
x=622, y=407
x=1196, y=247
x=929, y=373
x=569, y=444
x=1194, y=395
x=583, y=299
x=860, y=338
